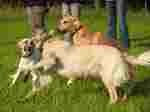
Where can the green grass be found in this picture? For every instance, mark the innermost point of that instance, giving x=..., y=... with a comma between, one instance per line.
x=82, y=96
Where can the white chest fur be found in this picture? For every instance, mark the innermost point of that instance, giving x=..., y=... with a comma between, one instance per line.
x=27, y=62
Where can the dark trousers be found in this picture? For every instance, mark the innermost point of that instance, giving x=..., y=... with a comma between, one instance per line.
x=70, y=9
x=117, y=9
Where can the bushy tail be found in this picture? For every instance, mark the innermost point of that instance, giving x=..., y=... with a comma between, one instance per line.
x=142, y=59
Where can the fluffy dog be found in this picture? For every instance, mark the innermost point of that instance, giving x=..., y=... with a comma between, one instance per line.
x=91, y=61
x=81, y=34
x=30, y=55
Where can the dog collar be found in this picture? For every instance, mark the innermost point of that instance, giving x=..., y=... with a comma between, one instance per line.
x=27, y=55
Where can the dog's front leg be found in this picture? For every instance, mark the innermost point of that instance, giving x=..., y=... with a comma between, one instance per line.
x=35, y=78
x=113, y=94
x=39, y=82
x=35, y=84
x=15, y=77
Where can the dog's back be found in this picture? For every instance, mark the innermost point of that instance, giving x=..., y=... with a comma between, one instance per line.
x=85, y=37
x=91, y=61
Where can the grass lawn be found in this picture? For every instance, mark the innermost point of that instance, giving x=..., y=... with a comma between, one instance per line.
x=82, y=96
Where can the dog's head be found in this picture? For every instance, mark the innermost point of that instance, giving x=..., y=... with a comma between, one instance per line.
x=27, y=46
x=69, y=24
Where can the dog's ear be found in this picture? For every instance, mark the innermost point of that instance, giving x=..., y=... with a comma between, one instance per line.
x=33, y=43
x=76, y=23
x=19, y=44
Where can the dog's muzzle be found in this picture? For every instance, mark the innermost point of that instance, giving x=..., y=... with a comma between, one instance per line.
x=27, y=51
x=59, y=28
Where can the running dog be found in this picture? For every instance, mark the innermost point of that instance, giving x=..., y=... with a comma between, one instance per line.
x=91, y=61
x=30, y=56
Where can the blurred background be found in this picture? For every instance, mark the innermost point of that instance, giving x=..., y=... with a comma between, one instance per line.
x=135, y=5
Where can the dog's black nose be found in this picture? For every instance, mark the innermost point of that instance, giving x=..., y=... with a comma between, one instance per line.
x=29, y=49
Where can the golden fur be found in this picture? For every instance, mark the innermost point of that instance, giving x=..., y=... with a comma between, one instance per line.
x=81, y=34
x=91, y=61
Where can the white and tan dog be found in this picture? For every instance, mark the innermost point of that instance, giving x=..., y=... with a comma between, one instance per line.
x=30, y=55
x=91, y=61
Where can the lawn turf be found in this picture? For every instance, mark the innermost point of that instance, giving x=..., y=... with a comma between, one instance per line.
x=82, y=96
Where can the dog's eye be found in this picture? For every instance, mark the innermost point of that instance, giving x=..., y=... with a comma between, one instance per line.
x=65, y=22
x=31, y=43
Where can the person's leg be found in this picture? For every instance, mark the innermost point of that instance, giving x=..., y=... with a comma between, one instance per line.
x=36, y=18
x=66, y=12
x=29, y=18
x=75, y=9
x=65, y=9
x=68, y=39
x=39, y=17
x=122, y=11
x=111, y=19
x=45, y=19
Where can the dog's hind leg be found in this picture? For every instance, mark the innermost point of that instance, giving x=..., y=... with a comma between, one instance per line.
x=112, y=91
x=113, y=94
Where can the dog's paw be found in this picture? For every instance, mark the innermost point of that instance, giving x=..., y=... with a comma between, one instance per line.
x=113, y=101
x=124, y=98
x=69, y=83
x=30, y=95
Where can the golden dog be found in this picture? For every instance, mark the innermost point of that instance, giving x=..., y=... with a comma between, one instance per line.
x=90, y=61
x=81, y=34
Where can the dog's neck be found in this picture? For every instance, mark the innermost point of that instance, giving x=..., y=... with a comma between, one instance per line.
x=77, y=29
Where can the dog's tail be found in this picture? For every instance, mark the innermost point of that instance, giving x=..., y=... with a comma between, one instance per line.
x=142, y=59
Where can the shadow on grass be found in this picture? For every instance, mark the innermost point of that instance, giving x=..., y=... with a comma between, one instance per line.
x=140, y=88
x=140, y=40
